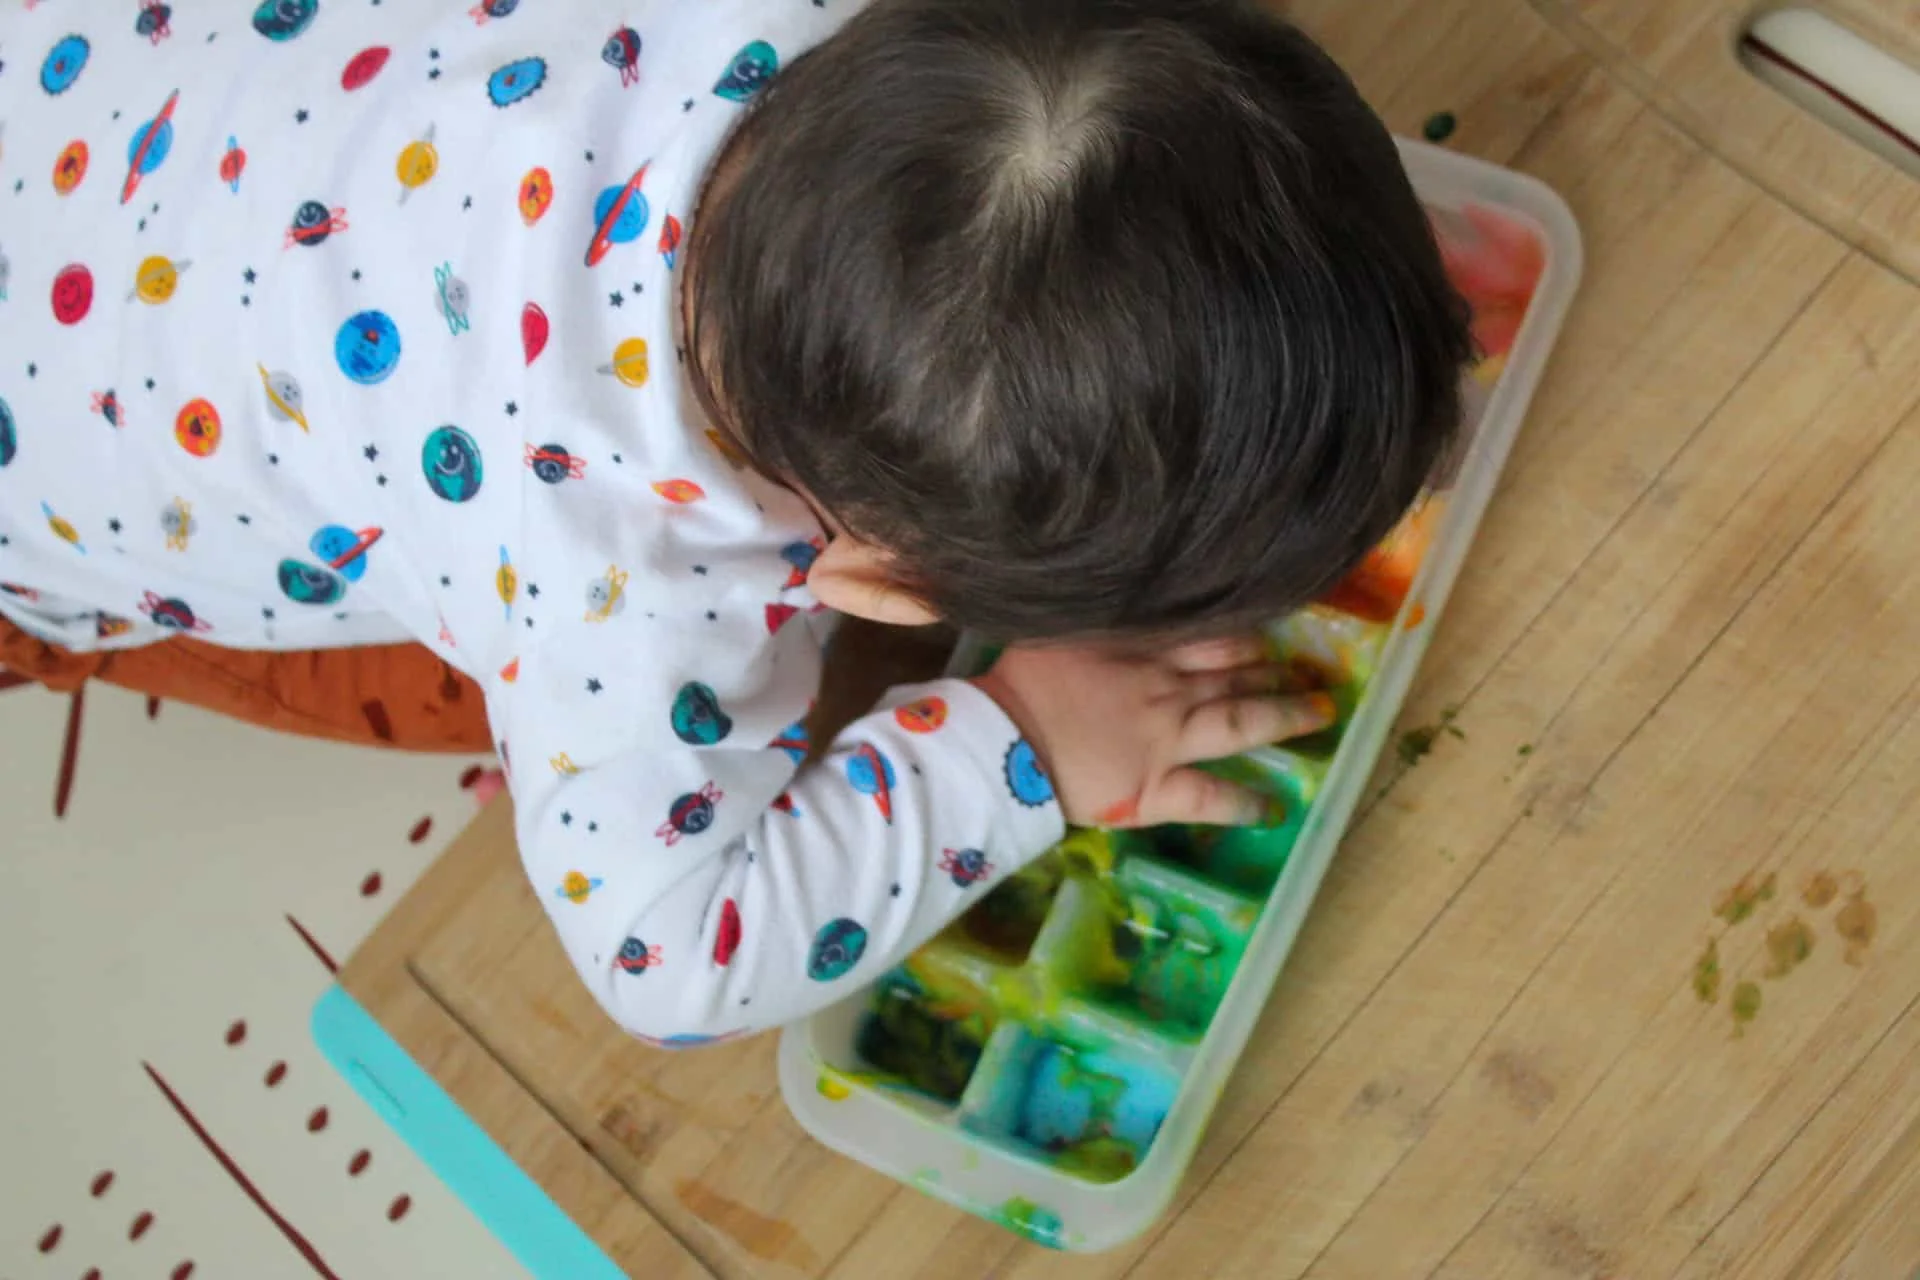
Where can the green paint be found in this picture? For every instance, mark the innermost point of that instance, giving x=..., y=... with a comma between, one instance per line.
x=1007, y=920
x=1746, y=1004
x=1417, y=744
x=1742, y=900
x=1097, y=1159
x=1706, y=973
x=1023, y=1216
x=916, y=1039
x=1439, y=126
x=1526, y=749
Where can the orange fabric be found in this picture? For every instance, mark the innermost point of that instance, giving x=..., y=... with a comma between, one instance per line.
x=389, y=695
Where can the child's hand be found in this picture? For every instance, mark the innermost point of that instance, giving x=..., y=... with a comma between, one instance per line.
x=1119, y=734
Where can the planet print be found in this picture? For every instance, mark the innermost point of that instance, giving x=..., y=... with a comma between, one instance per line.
x=697, y=718
x=197, y=428
x=363, y=67
x=536, y=195
x=629, y=365
x=64, y=63
x=871, y=774
x=619, y=216
x=72, y=293
x=748, y=73
x=147, y=149
x=679, y=492
x=367, y=347
x=576, y=887
x=70, y=168
x=233, y=163
x=516, y=82
x=416, y=164
x=534, y=331
x=284, y=398
x=156, y=279
x=313, y=222
x=1026, y=779
x=636, y=957
x=284, y=20
x=836, y=949
x=450, y=460
x=9, y=438
x=922, y=715
x=622, y=53
x=344, y=550
x=305, y=583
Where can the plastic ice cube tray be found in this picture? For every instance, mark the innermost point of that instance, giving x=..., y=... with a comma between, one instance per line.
x=1049, y=1061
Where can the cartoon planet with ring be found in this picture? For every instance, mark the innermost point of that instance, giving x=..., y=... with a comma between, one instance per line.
x=283, y=20
x=156, y=279
x=64, y=63
x=367, y=347
x=536, y=195
x=72, y=293
x=178, y=524
x=679, y=492
x=363, y=67
x=871, y=774
x=606, y=595
x=453, y=300
x=622, y=53
x=152, y=22
x=284, y=400
x=836, y=949
x=62, y=529
x=696, y=716
x=313, y=222
x=417, y=163
x=534, y=331
x=147, y=149
x=800, y=557
x=749, y=72
x=517, y=81
x=171, y=613
x=197, y=428
x=1025, y=778
x=507, y=582
x=70, y=168
x=554, y=463
x=922, y=715
x=636, y=957
x=619, y=216
x=451, y=462
x=305, y=583
x=344, y=550
x=670, y=240
x=9, y=438
x=629, y=363
x=487, y=10
x=576, y=887
x=233, y=163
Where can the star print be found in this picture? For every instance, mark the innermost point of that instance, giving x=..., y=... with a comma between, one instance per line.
x=687, y=105
x=300, y=116
x=512, y=408
x=566, y=818
x=467, y=203
x=3, y=539
x=371, y=452
x=594, y=685
x=381, y=481
x=712, y=616
x=274, y=458
x=114, y=524
x=141, y=225
x=19, y=185
x=244, y=519
x=700, y=569
x=116, y=115
x=149, y=384
x=533, y=591
x=593, y=826
x=33, y=370
x=529, y=622
x=246, y=300
x=616, y=457
x=638, y=287
x=434, y=74
x=156, y=207
x=433, y=54
x=267, y=614
x=339, y=617
x=615, y=300
x=248, y=275
x=589, y=157
x=445, y=581
x=356, y=276
x=895, y=891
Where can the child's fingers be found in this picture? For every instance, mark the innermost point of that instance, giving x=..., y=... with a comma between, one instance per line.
x=1218, y=655
x=1240, y=682
x=1190, y=796
x=1229, y=726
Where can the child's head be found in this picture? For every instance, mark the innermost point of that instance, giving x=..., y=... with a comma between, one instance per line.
x=1095, y=315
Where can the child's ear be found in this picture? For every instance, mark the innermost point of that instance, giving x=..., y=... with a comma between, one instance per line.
x=860, y=579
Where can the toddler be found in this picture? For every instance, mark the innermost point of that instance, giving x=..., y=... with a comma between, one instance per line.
x=612, y=351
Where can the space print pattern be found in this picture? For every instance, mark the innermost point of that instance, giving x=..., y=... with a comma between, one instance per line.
x=333, y=322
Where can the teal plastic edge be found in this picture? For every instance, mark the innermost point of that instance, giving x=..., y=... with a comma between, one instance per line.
x=508, y=1203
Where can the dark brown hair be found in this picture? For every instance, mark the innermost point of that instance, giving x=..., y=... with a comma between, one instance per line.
x=1102, y=315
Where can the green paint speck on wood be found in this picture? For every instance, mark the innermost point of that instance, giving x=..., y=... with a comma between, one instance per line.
x=1439, y=126
x=1706, y=973
x=1746, y=1003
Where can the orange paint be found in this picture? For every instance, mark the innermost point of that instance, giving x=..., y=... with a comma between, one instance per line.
x=1379, y=585
x=1119, y=815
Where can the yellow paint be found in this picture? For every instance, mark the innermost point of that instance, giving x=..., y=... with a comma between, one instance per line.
x=832, y=1088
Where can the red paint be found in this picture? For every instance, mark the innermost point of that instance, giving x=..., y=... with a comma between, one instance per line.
x=371, y=885
x=1119, y=815
x=419, y=831
x=313, y=945
x=275, y=1074
x=234, y=1171
x=237, y=1032
x=101, y=1181
x=398, y=1209
x=317, y=1121
x=358, y=1165
x=51, y=1239
x=69, y=752
x=469, y=776
x=363, y=67
x=182, y=1271
x=727, y=940
x=140, y=1225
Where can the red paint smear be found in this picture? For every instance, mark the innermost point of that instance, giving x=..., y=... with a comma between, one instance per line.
x=358, y=1165
x=140, y=1225
x=237, y=1032
x=275, y=1074
x=101, y=1181
x=312, y=945
x=51, y=1240
x=317, y=1121
x=214, y=1149
x=398, y=1209
x=471, y=776
x=419, y=831
x=1119, y=814
x=69, y=752
x=371, y=885
x=182, y=1271
x=153, y=708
